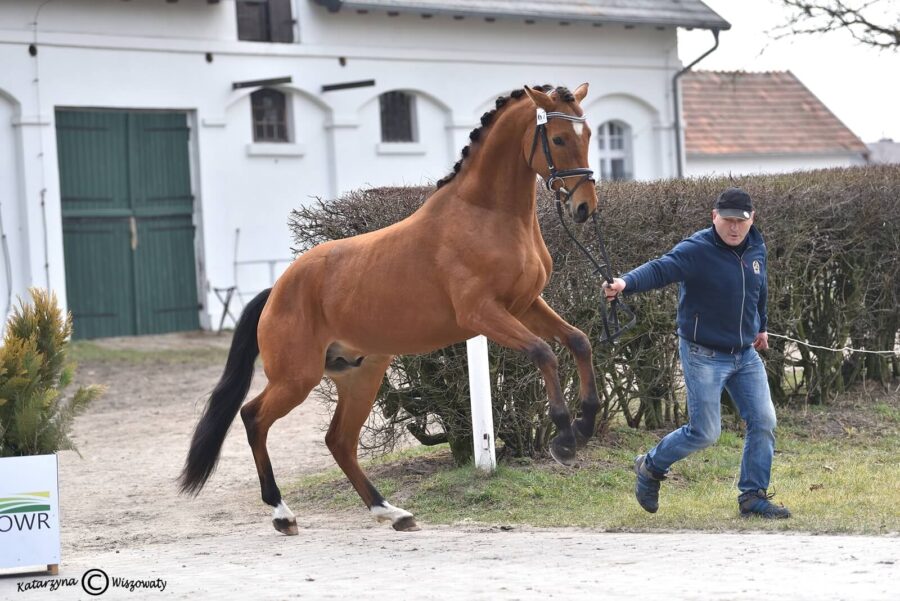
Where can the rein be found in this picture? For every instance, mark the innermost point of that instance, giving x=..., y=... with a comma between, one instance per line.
x=619, y=318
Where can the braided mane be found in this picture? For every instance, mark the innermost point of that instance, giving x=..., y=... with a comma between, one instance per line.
x=488, y=118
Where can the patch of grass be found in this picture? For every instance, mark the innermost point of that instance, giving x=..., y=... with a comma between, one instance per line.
x=888, y=412
x=83, y=351
x=842, y=481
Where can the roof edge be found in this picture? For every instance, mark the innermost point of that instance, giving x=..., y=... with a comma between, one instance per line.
x=732, y=72
x=774, y=155
x=334, y=6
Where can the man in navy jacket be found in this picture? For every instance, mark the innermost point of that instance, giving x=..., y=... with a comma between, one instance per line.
x=721, y=325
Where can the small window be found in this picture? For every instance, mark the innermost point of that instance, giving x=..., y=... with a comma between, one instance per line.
x=397, y=117
x=614, y=142
x=270, y=122
x=265, y=20
x=616, y=136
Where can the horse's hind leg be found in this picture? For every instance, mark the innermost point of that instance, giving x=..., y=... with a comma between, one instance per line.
x=258, y=415
x=357, y=388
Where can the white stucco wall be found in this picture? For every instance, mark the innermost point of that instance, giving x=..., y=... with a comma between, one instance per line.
x=749, y=165
x=13, y=276
x=149, y=54
x=419, y=163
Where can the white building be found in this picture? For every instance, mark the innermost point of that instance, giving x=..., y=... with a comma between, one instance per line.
x=884, y=152
x=136, y=137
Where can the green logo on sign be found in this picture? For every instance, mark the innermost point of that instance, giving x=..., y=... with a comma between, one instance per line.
x=24, y=502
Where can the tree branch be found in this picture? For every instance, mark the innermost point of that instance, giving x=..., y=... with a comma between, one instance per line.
x=868, y=23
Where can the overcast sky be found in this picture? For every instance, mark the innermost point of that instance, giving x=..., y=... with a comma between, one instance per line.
x=858, y=84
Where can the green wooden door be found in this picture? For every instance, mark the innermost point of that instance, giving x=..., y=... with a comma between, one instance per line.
x=128, y=230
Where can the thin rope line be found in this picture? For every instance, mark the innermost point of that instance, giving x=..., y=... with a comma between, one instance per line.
x=837, y=350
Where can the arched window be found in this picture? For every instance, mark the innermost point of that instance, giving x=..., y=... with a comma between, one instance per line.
x=270, y=120
x=614, y=143
x=398, y=117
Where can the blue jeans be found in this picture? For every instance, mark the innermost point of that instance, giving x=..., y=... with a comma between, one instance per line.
x=706, y=373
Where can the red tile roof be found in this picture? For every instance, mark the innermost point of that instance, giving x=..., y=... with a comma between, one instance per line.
x=734, y=112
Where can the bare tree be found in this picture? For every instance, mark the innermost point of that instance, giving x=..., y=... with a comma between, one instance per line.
x=874, y=23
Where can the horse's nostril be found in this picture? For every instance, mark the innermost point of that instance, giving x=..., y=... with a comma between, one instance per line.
x=581, y=213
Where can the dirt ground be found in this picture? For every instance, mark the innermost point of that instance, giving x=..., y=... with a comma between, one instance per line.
x=120, y=512
x=121, y=491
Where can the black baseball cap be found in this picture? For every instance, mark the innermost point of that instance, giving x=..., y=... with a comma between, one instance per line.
x=734, y=202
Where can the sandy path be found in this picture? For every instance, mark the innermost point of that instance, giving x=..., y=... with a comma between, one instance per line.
x=467, y=563
x=120, y=513
x=133, y=440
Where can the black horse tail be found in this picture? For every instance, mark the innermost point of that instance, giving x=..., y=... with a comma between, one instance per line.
x=225, y=400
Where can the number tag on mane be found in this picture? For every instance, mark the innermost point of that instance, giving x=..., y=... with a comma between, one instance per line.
x=541, y=116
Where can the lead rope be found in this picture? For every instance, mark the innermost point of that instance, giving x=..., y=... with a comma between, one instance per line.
x=618, y=310
x=612, y=327
x=836, y=350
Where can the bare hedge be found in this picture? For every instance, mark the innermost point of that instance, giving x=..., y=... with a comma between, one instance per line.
x=834, y=280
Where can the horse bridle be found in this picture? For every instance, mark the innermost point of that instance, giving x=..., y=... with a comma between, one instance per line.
x=618, y=312
x=540, y=132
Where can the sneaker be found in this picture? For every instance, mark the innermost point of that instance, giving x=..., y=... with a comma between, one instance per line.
x=757, y=502
x=646, y=487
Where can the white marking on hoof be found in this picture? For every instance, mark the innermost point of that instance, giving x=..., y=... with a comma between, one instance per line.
x=389, y=513
x=282, y=512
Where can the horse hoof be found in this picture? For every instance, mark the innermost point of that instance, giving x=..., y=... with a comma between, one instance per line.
x=286, y=526
x=406, y=524
x=581, y=439
x=562, y=454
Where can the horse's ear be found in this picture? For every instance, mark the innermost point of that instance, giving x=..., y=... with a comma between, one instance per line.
x=540, y=99
x=580, y=92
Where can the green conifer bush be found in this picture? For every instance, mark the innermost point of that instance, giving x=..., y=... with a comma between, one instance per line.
x=35, y=416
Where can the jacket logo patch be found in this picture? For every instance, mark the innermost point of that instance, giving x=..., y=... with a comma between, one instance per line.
x=756, y=267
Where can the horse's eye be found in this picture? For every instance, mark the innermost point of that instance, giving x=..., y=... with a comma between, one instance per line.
x=558, y=141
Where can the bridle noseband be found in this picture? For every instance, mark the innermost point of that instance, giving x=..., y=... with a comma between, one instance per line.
x=620, y=317
x=540, y=132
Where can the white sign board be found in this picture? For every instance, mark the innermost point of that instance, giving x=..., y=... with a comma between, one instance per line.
x=29, y=511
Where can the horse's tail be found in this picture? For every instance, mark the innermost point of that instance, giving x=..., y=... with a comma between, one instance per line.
x=225, y=400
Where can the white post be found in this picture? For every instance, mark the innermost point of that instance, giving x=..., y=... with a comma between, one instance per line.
x=480, y=394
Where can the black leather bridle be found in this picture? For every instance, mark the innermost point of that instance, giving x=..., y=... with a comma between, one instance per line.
x=540, y=133
x=619, y=317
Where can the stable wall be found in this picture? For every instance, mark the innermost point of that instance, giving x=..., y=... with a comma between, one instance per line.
x=151, y=55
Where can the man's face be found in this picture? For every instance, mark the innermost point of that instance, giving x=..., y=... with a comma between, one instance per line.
x=731, y=229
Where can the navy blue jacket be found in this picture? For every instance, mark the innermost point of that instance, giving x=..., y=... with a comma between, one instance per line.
x=722, y=297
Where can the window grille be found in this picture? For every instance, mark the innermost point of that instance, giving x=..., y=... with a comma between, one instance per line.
x=614, y=143
x=397, y=117
x=269, y=116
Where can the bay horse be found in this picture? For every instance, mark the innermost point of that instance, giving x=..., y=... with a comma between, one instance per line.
x=471, y=260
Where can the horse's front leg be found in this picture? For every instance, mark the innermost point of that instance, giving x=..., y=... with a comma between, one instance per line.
x=543, y=321
x=495, y=322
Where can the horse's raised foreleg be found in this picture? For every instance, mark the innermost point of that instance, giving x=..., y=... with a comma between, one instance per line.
x=544, y=322
x=499, y=325
x=357, y=388
x=258, y=415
